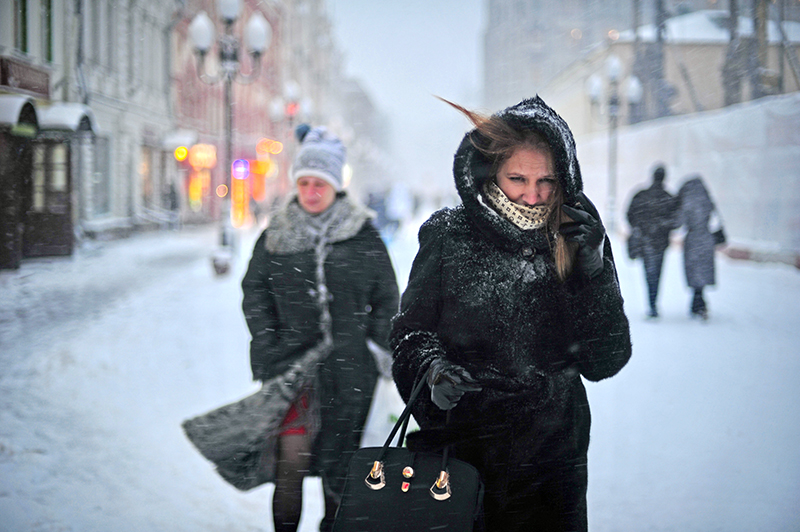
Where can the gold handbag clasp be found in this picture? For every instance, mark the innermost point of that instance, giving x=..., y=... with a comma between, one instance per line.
x=441, y=488
x=376, y=479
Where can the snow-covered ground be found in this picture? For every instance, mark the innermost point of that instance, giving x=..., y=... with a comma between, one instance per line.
x=102, y=356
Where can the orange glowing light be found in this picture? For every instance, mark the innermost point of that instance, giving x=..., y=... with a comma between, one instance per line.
x=203, y=156
x=264, y=145
x=260, y=166
x=195, y=191
x=267, y=146
x=240, y=201
x=258, y=185
x=222, y=190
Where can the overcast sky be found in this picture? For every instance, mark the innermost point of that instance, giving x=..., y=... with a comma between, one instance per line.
x=404, y=52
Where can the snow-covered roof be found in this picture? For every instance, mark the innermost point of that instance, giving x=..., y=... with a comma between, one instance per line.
x=66, y=115
x=179, y=137
x=11, y=106
x=710, y=27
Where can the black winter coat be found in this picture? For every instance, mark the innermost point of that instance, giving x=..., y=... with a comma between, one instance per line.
x=654, y=211
x=284, y=318
x=484, y=295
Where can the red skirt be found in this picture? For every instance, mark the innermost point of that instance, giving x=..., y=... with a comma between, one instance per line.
x=296, y=417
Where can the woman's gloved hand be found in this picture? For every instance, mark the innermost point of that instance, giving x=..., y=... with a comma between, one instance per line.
x=589, y=234
x=449, y=382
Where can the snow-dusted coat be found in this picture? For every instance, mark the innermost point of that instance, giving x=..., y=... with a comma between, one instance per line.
x=653, y=211
x=283, y=314
x=484, y=294
x=698, y=245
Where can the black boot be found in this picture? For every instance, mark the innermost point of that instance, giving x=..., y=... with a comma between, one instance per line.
x=699, y=309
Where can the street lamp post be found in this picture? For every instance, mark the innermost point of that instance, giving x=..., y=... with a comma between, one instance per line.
x=634, y=95
x=257, y=35
x=613, y=67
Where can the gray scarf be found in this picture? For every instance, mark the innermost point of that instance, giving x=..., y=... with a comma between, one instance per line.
x=293, y=230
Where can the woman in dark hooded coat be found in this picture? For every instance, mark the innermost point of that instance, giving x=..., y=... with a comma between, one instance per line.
x=513, y=296
x=319, y=278
x=696, y=209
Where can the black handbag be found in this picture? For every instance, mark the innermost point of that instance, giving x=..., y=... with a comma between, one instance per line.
x=635, y=244
x=392, y=489
x=716, y=229
x=719, y=237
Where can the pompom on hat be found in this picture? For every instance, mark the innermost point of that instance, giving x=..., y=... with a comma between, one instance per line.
x=321, y=155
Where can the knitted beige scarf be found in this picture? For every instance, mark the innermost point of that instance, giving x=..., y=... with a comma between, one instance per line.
x=522, y=216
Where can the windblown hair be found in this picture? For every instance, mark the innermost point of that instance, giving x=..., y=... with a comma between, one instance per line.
x=497, y=140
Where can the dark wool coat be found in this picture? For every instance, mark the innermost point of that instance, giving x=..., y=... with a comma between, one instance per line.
x=283, y=319
x=653, y=210
x=484, y=294
x=698, y=245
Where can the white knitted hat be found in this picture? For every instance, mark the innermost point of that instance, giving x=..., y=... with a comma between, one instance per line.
x=321, y=155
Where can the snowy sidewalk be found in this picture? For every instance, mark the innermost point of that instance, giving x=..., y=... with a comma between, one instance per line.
x=102, y=355
x=699, y=432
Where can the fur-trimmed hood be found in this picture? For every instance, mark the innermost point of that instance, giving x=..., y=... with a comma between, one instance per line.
x=531, y=114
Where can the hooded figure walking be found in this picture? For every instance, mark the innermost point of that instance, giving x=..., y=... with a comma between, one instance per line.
x=652, y=214
x=696, y=213
x=319, y=277
x=512, y=298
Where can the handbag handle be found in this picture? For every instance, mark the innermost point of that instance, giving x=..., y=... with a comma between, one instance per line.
x=402, y=421
x=376, y=479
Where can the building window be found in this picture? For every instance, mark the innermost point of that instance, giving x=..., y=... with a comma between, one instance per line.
x=147, y=53
x=101, y=177
x=111, y=34
x=146, y=175
x=131, y=41
x=47, y=30
x=50, y=178
x=39, y=178
x=97, y=31
x=21, y=25
x=134, y=50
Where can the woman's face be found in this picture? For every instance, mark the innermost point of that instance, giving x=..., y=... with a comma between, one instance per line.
x=315, y=195
x=528, y=177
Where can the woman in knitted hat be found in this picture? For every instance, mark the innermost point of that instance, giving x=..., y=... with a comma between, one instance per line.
x=512, y=298
x=320, y=278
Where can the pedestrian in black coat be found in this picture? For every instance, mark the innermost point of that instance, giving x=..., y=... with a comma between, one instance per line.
x=696, y=211
x=320, y=277
x=512, y=297
x=652, y=214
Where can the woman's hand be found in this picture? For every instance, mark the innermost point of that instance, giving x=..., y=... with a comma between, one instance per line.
x=589, y=234
x=448, y=383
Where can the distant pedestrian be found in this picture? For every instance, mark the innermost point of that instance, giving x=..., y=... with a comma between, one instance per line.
x=320, y=278
x=651, y=215
x=173, y=204
x=696, y=210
